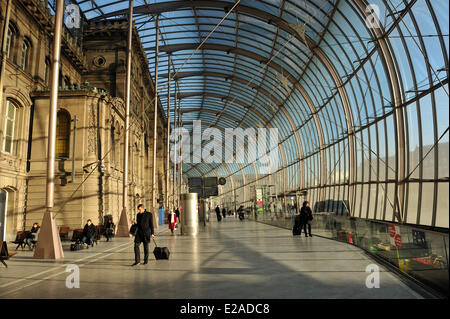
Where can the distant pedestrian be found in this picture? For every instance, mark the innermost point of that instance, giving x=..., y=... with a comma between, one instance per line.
x=241, y=212
x=145, y=232
x=306, y=218
x=109, y=229
x=177, y=213
x=172, y=219
x=219, y=218
x=224, y=212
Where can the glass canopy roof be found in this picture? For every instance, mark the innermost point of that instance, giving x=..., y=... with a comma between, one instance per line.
x=344, y=82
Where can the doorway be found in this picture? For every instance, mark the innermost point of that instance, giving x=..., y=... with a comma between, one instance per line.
x=3, y=210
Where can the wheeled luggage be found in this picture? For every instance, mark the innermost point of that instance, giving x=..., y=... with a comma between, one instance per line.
x=74, y=247
x=161, y=252
x=297, y=230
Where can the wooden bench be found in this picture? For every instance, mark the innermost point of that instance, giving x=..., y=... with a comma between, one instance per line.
x=64, y=232
x=4, y=254
x=21, y=236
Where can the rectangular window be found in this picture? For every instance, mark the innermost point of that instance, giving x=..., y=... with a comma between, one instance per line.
x=8, y=135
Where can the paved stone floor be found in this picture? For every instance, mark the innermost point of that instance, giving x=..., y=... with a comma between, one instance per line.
x=231, y=259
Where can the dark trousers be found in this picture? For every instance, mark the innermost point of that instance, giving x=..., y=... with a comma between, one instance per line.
x=304, y=229
x=85, y=239
x=137, y=252
x=108, y=234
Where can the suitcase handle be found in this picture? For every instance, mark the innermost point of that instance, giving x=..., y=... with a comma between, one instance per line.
x=155, y=242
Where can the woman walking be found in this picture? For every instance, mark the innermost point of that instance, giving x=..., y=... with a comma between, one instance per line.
x=172, y=219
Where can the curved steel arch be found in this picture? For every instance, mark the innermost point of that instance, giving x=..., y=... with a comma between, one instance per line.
x=265, y=93
x=250, y=108
x=172, y=48
x=223, y=143
x=226, y=164
x=394, y=79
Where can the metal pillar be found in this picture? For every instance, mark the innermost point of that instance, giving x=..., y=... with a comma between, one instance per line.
x=168, y=134
x=155, y=123
x=175, y=154
x=49, y=243
x=180, y=166
x=124, y=224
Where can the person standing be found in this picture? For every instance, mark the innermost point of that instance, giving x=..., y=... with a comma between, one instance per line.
x=145, y=233
x=224, y=213
x=172, y=219
x=306, y=218
x=177, y=213
x=109, y=229
x=219, y=218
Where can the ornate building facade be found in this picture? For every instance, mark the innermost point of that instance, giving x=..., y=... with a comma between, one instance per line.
x=90, y=122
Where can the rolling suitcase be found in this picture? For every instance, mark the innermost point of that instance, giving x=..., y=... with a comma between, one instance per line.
x=161, y=252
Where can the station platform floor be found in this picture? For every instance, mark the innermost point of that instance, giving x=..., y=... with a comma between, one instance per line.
x=228, y=260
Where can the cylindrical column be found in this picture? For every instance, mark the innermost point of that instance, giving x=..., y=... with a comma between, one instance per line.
x=123, y=226
x=49, y=243
x=168, y=133
x=180, y=165
x=53, y=107
x=127, y=111
x=189, y=216
x=155, y=122
x=175, y=154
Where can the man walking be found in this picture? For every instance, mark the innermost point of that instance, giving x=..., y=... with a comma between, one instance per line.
x=219, y=218
x=144, y=234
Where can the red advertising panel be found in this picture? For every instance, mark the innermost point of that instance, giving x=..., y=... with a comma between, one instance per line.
x=398, y=240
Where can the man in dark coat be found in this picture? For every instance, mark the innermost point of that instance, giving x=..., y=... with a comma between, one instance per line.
x=109, y=229
x=144, y=234
x=224, y=212
x=305, y=218
x=88, y=233
x=219, y=218
x=177, y=212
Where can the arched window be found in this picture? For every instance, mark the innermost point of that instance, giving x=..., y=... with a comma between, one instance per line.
x=113, y=143
x=26, y=46
x=66, y=81
x=9, y=41
x=62, y=134
x=9, y=126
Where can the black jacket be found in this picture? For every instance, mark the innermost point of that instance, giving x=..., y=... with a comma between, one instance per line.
x=305, y=214
x=217, y=210
x=145, y=227
x=89, y=231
